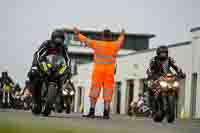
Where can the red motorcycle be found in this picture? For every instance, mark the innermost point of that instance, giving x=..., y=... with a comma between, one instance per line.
x=166, y=90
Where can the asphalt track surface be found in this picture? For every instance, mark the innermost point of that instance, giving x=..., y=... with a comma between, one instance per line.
x=117, y=124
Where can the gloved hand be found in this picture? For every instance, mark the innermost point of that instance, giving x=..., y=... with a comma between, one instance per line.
x=182, y=75
x=68, y=73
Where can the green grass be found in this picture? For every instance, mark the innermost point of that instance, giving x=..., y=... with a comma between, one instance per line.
x=9, y=127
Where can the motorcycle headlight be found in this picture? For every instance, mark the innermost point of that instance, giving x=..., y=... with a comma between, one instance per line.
x=72, y=93
x=64, y=92
x=163, y=84
x=176, y=84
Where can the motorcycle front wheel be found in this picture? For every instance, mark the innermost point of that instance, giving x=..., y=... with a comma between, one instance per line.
x=159, y=112
x=59, y=104
x=171, y=109
x=68, y=102
x=51, y=95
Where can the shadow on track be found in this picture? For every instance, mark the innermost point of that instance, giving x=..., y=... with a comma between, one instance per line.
x=1, y=110
x=66, y=116
x=73, y=116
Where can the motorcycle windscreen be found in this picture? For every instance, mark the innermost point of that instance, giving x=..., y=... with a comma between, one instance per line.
x=55, y=60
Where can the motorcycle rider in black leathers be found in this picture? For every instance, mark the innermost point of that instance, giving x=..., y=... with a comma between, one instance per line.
x=17, y=88
x=5, y=79
x=53, y=46
x=159, y=65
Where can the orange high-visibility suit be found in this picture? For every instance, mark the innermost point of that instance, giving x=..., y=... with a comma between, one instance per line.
x=105, y=53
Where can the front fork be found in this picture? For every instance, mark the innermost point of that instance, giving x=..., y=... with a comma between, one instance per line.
x=8, y=96
x=4, y=97
x=160, y=103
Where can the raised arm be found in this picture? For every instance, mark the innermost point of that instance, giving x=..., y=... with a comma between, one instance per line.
x=120, y=39
x=90, y=43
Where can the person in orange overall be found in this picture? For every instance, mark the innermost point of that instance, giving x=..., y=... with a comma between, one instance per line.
x=105, y=53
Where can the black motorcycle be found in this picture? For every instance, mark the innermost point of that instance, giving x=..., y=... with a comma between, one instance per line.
x=53, y=71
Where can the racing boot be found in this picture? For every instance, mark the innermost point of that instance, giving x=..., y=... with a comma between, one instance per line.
x=36, y=105
x=36, y=109
x=36, y=97
x=91, y=113
x=106, y=113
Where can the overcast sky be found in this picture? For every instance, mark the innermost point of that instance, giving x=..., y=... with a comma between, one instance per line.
x=24, y=24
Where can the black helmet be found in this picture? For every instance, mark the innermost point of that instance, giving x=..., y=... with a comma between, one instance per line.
x=4, y=74
x=17, y=87
x=58, y=36
x=107, y=34
x=162, y=52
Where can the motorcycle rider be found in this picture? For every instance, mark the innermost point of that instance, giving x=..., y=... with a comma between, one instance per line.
x=140, y=99
x=139, y=102
x=53, y=46
x=17, y=88
x=5, y=79
x=26, y=87
x=159, y=65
